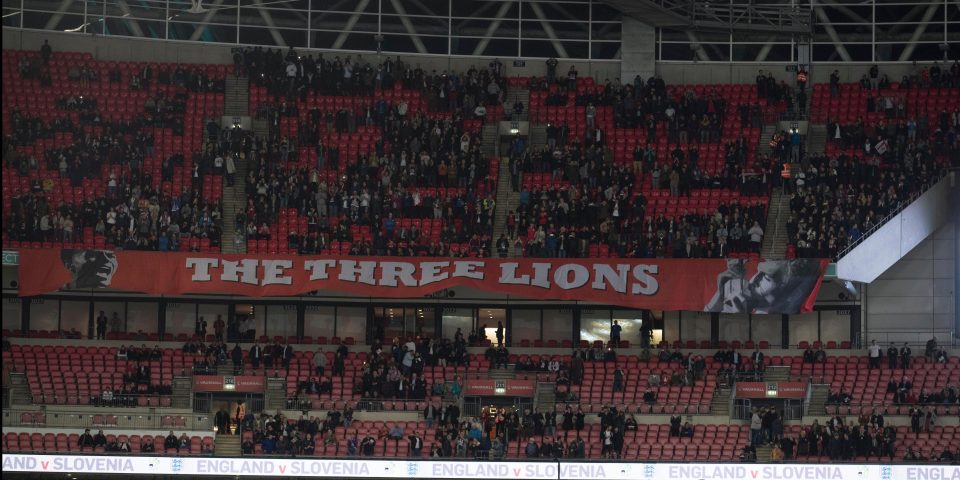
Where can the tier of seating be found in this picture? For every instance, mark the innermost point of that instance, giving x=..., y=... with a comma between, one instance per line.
x=66, y=110
x=853, y=102
x=80, y=374
x=886, y=143
x=596, y=389
x=21, y=442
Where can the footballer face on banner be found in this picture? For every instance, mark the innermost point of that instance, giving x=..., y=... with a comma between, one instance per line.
x=89, y=268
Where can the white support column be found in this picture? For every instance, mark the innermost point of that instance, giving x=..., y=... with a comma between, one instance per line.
x=206, y=19
x=134, y=26
x=55, y=18
x=927, y=17
x=494, y=25
x=637, y=50
x=548, y=29
x=351, y=22
x=841, y=50
x=268, y=19
x=408, y=25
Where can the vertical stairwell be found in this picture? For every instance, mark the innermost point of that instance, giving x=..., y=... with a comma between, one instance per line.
x=816, y=138
x=774, y=245
x=507, y=201
x=763, y=147
x=236, y=98
x=720, y=403
x=19, y=389
x=226, y=446
x=538, y=136
x=546, y=396
x=523, y=95
x=236, y=103
x=776, y=373
x=818, y=398
x=182, y=389
x=275, y=397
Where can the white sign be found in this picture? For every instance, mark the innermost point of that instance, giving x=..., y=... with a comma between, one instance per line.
x=356, y=468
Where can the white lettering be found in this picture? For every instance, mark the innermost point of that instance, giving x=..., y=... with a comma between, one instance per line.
x=605, y=274
x=273, y=272
x=357, y=272
x=468, y=269
x=647, y=283
x=247, y=269
x=391, y=271
x=541, y=275
x=508, y=275
x=561, y=276
x=430, y=272
x=318, y=268
x=201, y=266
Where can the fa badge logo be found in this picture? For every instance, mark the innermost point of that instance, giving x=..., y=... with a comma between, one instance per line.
x=177, y=465
x=648, y=471
x=886, y=473
x=412, y=469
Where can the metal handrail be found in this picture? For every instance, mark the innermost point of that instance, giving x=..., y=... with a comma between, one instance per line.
x=902, y=205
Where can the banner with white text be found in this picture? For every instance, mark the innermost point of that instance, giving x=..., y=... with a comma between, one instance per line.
x=450, y=469
x=714, y=285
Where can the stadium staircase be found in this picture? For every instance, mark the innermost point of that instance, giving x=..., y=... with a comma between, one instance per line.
x=19, y=389
x=507, y=201
x=236, y=103
x=774, y=245
x=776, y=373
x=227, y=446
x=720, y=403
x=818, y=398
x=503, y=373
x=523, y=95
x=182, y=389
x=763, y=453
x=236, y=99
x=763, y=145
x=546, y=396
x=816, y=138
x=276, y=394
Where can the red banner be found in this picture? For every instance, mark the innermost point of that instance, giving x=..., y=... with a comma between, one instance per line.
x=715, y=285
x=509, y=388
x=221, y=383
x=771, y=389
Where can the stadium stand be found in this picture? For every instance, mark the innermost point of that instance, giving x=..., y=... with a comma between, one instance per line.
x=122, y=143
x=888, y=142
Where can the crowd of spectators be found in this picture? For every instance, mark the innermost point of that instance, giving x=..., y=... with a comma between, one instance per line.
x=397, y=372
x=121, y=443
x=877, y=167
x=377, y=192
x=594, y=202
x=292, y=76
x=132, y=212
x=585, y=199
x=417, y=166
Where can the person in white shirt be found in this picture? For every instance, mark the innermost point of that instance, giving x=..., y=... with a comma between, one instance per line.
x=756, y=236
x=874, y=354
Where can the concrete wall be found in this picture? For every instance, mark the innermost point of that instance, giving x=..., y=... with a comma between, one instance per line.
x=637, y=49
x=915, y=299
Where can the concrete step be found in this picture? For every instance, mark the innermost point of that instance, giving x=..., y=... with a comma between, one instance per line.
x=227, y=446
x=776, y=373
x=503, y=373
